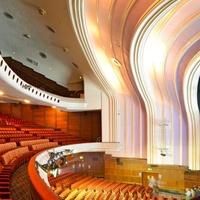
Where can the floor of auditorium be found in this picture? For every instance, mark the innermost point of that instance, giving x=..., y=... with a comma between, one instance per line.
x=20, y=185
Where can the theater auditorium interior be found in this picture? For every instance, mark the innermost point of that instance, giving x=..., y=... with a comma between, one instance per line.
x=99, y=99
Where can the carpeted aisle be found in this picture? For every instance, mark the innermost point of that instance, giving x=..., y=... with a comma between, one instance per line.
x=20, y=183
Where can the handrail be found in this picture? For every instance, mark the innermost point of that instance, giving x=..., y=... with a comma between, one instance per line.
x=39, y=189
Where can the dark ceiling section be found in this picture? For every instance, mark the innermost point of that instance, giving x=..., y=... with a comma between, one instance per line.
x=36, y=79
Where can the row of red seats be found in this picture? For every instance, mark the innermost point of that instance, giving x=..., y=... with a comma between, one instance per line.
x=7, y=147
x=14, y=156
x=43, y=146
x=87, y=189
x=7, y=128
x=18, y=140
x=38, y=130
x=10, y=161
x=11, y=132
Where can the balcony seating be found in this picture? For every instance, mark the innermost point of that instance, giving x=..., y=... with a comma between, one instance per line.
x=7, y=147
x=126, y=196
x=81, y=194
x=10, y=161
x=32, y=142
x=14, y=136
x=102, y=185
x=94, y=183
x=18, y=140
x=78, y=183
x=140, y=191
x=72, y=195
x=53, y=181
x=43, y=146
x=72, y=179
x=2, y=141
x=12, y=121
x=13, y=159
x=5, y=195
x=148, y=192
x=65, y=193
x=80, y=186
x=126, y=188
x=100, y=195
x=90, y=194
x=85, y=184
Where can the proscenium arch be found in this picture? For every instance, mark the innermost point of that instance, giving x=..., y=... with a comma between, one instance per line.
x=190, y=90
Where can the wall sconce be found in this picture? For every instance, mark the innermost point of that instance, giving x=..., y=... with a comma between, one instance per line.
x=140, y=174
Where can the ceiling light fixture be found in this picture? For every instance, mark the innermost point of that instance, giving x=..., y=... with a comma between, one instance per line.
x=50, y=29
x=1, y=93
x=8, y=15
x=26, y=101
x=43, y=55
x=116, y=62
x=41, y=11
x=26, y=35
x=65, y=49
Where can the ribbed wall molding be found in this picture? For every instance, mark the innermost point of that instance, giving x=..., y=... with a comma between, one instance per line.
x=159, y=77
x=151, y=81
x=191, y=80
x=78, y=19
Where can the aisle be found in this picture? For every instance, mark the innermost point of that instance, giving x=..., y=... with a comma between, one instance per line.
x=20, y=183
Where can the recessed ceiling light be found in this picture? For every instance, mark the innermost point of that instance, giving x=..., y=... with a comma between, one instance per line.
x=50, y=29
x=26, y=35
x=43, y=55
x=8, y=15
